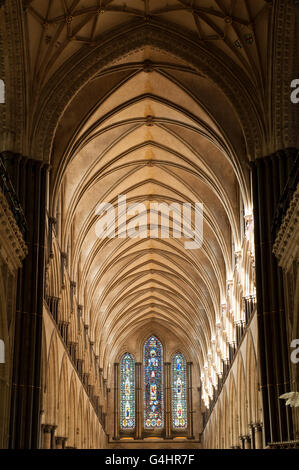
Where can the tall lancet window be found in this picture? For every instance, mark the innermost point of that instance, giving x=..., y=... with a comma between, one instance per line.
x=127, y=392
x=153, y=384
x=179, y=392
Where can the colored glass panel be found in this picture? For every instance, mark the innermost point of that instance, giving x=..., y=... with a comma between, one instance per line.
x=179, y=392
x=153, y=384
x=127, y=392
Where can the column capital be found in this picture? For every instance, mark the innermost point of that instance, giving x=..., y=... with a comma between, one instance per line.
x=47, y=428
x=257, y=426
x=60, y=441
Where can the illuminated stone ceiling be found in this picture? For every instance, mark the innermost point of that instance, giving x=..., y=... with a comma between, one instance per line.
x=56, y=29
x=151, y=125
x=141, y=129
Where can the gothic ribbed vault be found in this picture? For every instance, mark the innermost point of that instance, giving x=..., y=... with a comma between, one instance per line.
x=151, y=127
x=161, y=101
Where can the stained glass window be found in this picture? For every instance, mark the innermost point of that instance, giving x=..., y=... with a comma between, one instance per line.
x=127, y=392
x=179, y=392
x=153, y=384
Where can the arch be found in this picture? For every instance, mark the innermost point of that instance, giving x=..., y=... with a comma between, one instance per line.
x=153, y=384
x=73, y=413
x=51, y=385
x=127, y=392
x=179, y=391
x=87, y=426
x=233, y=413
x=63, y=402
x=80, y=422
x=252, y=387
x=242, y=399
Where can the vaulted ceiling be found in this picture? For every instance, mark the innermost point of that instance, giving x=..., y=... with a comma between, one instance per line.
x=140, y=129
x=57, y=29
x=152, y=126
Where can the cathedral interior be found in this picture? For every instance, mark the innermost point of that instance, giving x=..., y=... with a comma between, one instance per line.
x=135, y=342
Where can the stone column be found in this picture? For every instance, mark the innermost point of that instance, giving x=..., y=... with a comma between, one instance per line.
x=258, y=435
x=247, y=442
x=167, y=398
x=138, y=401
x=30, y=181
x=189, y=400
x=53, y=437
x=269, y=178
x=242, y=440
x=47, y=433
x=252, y=436
x=116, y=401
x=59, y=442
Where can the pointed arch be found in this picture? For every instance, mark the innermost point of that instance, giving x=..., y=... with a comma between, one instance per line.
x=153, y=384
x=127, y=392
x=63, y=402
x=179, y=391
x=73, y=412
x=51, y=385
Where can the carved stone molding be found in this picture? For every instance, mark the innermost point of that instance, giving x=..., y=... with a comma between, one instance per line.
x=286, y=246
x=13, y=136
x=12, y=246
x=285, y=66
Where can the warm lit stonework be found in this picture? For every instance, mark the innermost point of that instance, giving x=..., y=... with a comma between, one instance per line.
x=137, y=341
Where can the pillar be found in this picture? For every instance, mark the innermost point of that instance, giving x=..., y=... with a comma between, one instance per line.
x=247, y=442
x=116, y=401
x=167, y=400
x=258, y=436
x=47, y=433
x=59, y=442
x=189, y=400
x=242, y=440
x=53, y=437
x=252, y=436
x=269, y=178
x=30, y=181
x=138, y=401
